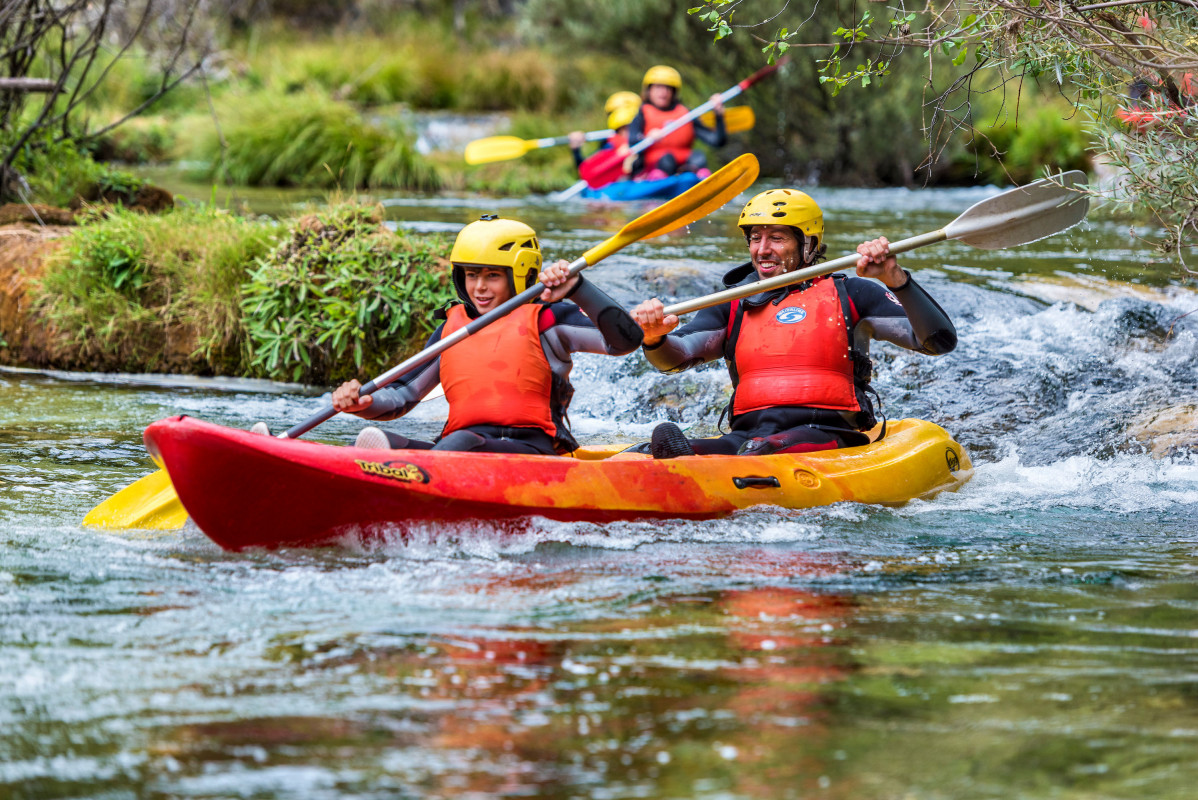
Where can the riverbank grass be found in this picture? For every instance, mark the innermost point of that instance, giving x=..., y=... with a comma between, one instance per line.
x=199, y=290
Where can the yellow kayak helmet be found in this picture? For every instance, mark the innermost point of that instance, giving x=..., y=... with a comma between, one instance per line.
x=494, y=242
x=787, y=207
x=666, y=76
x=621, y=99
x=622, y=116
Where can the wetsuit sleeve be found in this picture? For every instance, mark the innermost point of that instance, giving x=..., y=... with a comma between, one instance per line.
x=716, y=137
x=636, y=129
x=697, y=342
x=608, y=331
x=400, y=397
x=577, y=153
x=907, y=316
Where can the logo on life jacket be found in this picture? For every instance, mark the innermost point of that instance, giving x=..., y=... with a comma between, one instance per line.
x=789, y=316
x=395, y=470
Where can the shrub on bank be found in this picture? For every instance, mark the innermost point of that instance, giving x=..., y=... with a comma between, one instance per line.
x=1045, y=136
x=306, y=139
x=146, y=293
x=332, y=295
x=342, y=297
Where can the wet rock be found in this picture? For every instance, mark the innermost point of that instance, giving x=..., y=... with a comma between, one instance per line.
x=697, y=396
x=24, y=248
x=674, y=280
x=1131, y=318
x=1167, y=432
x=35, y=214
x=148, y=199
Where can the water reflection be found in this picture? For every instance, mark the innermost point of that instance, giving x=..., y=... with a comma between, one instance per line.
x=683, y=692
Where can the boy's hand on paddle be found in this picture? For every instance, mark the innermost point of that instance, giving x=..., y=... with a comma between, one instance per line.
x=651, y=316
x=717, y=105
x=345, y=398
x=576, y=139
x=877, y=262
x=559, y=280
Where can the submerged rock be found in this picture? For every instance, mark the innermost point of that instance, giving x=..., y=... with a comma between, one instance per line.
x=1167, y=432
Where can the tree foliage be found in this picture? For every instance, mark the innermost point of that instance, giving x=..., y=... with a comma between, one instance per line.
x=73, y=46
x=1091, y=52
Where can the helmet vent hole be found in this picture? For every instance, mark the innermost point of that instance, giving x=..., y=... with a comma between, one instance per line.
x=528, y=244
x=506, y=247
x=779, y=214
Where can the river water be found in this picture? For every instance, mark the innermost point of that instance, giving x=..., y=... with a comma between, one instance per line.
x=1033, y=635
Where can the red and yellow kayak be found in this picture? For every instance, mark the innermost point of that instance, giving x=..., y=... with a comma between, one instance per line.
x=248, y=490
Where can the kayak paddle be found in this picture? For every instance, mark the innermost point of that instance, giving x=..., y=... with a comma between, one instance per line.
x=504, y=148
x=151, y=502
x=1017, y=216
x=602, y=171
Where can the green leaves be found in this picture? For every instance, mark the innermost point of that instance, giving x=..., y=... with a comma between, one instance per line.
x=342, y=297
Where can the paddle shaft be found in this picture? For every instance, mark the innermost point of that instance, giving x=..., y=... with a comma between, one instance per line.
x=744, y=120
x=612, y=165
x=432, y=351
x=556, y=141
x=786, y=279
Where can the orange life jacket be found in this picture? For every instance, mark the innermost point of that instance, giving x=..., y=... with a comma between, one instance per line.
x=498, y=376
x=795, y=353
x=679, y=142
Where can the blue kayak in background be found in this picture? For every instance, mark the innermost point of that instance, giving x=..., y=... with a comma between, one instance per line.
x=660, y=189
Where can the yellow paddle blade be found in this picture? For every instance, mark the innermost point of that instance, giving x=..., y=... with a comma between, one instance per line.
x=149, y=503
x=709, y=194
x=737, y=119
x=497, y=148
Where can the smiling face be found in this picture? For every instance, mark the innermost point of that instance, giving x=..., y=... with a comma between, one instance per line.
x=773, y=249
x=487, y=287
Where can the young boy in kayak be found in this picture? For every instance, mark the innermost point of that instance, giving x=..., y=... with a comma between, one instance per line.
x=507, y=384
x=673, y=152
x=618, y=121
x=798, y=355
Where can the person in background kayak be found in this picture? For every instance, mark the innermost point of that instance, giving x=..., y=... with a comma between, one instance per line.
x=508, y=385
x=798, y=355
x=618, y=121
x=673, y=152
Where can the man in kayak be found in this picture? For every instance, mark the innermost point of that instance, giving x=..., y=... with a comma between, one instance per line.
x=798, y=355
x=508, y=384
x=673, y=152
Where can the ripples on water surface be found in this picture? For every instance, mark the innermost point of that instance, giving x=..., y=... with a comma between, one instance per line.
x=1034, y=635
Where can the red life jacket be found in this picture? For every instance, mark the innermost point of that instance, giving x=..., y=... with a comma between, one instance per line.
x=795, y=353
x=498, y=376
x=679, y=142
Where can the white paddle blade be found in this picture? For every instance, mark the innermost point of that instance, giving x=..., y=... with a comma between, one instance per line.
x=1023, y=214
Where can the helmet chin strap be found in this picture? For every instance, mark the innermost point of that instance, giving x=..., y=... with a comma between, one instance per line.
x=812, y=250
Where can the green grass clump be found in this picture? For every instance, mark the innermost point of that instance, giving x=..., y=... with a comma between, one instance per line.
x=306, y=139
x=343, y=296
x=57, y=172
x=134, y=292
